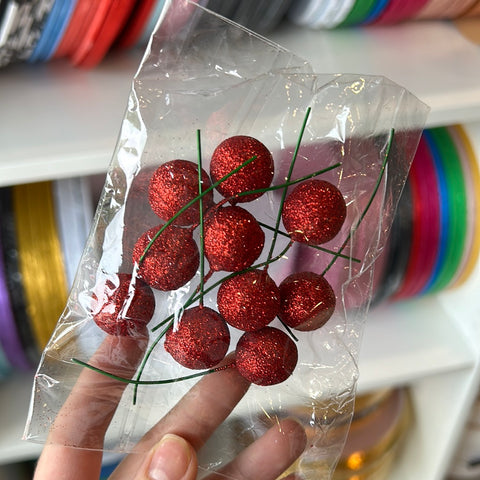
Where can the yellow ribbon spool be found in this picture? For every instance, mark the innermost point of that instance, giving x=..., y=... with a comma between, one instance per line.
x=40, y=257
x=475, y=179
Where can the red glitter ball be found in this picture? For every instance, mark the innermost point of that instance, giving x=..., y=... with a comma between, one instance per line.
x=233, y=239
x=171, y=261
x=266, y=357
x=172, y=186
x=122, y=305
x=307, y=301
x=314, y=212
x=201, y=339
x=249, y=301
x=232, y=153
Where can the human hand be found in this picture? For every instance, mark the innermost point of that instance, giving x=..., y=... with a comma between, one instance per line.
x=172, y=444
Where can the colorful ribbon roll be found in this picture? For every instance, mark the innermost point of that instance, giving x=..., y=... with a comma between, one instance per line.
x=440, y=246
x=318, y=14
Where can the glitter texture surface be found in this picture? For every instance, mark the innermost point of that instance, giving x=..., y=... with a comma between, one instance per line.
x=307, y=301
x=232, y=153
x=122, y=306
x=233, y=239
x=314, y=212
x=266, y=357
x=200, y=340
x=249, y=301
x=172, y=186
x=171, y=261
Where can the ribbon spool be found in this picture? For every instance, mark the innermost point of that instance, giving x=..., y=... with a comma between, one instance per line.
x=66, y=44
x=377, y=11
x=457, y=208
x=331, y=14
x=399, y=10
x=379, y=425
x=40, y=257
x=425, y=224
x=136, y=24
x=152, y=21
x=443, y=242
x=73, y=215
x=440, y=9
x=375, y=437
x=14, y=281
x=359, y=13
x=454, y=204
x=469, y=136
x=12, y=354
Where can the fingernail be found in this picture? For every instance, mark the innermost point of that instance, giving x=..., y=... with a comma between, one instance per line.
x=170, y=460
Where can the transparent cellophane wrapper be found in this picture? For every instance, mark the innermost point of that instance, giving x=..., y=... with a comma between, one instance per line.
x=204, y=77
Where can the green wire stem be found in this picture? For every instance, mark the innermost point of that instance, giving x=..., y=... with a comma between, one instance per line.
x=370, y=201
x=151, y=382
x=289, y=175
x=317, y=247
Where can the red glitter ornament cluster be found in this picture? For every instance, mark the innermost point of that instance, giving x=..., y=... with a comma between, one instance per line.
x=166, y=257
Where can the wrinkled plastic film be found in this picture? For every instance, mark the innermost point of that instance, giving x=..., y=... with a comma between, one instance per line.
x=203, y=74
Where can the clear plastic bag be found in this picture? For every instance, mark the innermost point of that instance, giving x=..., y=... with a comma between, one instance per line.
x=202, y=81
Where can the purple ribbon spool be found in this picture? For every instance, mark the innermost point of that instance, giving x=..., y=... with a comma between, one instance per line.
x=9, y=339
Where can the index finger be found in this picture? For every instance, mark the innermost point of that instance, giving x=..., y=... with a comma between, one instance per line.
x=75, y=441
x=206, y=405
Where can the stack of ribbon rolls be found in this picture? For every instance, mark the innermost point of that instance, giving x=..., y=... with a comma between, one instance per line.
x=322, y=14
x=43, y=230
x=435, y=238
x=84, y=32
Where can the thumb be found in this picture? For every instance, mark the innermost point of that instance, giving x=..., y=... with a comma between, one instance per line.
x=172, y=458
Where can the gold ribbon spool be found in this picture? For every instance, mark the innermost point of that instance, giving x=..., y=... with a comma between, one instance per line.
x=40, y=257
x=474, y=253
x=374, y=439
x=369, y=459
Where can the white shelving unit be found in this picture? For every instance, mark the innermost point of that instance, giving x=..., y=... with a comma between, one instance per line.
x=58, y=121
x=431, y=59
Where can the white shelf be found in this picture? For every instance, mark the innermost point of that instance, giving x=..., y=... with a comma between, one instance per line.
x=408, y=341
x=431, y=59
x=441, y=404
x=58, y=121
